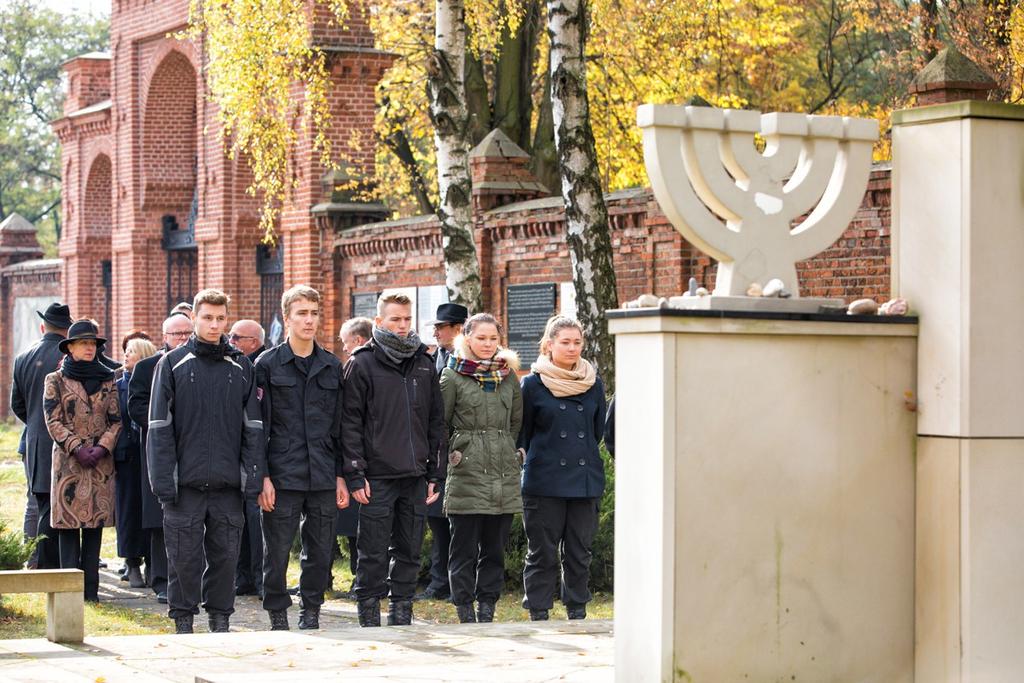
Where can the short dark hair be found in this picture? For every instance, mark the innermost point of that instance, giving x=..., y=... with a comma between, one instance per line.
x=134, y=334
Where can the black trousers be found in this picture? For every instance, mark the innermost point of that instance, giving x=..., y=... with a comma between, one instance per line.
x=49, y=552
x=199, y=521
x=249, y=573
x=131, y=539
x=311, y=513
x=156, y=560
x=389, y=539
x=31, y=521
x=80, y=549
x=476, y=566
x=440, y=548
x=556, y=526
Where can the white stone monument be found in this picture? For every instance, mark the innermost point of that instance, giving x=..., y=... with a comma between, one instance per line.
x=764, y=509
x=958, y=245
x=739, y=205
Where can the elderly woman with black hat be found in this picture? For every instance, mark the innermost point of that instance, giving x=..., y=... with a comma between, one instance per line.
x=83, y=418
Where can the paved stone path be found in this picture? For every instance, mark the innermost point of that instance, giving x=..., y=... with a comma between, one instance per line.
x=494, y=653
x=249, y=613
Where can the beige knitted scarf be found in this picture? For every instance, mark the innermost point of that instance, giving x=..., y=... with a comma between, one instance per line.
x=564, y=383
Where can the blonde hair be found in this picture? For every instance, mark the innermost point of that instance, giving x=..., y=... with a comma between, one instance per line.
x=298, y=292
x=385, y=299
x=556, y=324
x=214, y=297
x=143, y=348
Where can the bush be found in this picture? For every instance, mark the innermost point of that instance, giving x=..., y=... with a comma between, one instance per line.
x=14, y=550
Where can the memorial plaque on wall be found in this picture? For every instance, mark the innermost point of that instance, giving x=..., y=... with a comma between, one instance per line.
x=528, y=308
x=364, y=305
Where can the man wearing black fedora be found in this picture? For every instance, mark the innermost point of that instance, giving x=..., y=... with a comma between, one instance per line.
x=30, y=371
x=447, y=326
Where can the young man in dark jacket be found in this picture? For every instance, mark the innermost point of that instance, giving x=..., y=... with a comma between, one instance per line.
x=205, y=437
x=392, y=431
x=176, y=330
x=299, y=389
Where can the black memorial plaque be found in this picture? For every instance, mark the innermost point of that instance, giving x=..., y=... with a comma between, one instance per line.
x=528, y=308
x=364, y=305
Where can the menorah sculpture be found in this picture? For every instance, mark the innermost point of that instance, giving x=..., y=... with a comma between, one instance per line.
x=738, y=205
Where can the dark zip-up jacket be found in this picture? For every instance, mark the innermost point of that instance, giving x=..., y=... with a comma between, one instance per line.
x=393, y=421
x=205, y=430
x=301, y=419
x=30, y=371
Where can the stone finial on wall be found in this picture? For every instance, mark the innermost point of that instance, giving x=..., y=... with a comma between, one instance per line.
x=501, y=173
x=18, y=241
x=951, y=77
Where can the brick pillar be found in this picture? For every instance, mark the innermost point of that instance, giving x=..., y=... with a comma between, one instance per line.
x=501, y=175
x=87, y=194
x=326, y=202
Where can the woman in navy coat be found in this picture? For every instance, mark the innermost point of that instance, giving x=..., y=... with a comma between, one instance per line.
x=563, y=476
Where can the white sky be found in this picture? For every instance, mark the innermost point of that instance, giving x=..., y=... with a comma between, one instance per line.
x=96, y=7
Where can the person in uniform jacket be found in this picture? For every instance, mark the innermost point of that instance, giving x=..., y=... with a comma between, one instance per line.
x=84, y=420
x=483, y=410
x=563, y=474
x=392, y=430
x=447, y=326
x=176, y=331
x=204, y=443
x=299, y=389
x=30, y=371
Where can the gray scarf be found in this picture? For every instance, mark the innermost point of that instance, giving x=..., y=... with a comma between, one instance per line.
x=397, y=349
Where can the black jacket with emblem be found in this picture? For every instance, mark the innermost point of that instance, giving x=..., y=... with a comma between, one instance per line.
x=301, y=419
x=204, y=421
x=393, y=421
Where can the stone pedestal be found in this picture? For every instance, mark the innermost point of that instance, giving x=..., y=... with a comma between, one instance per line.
x=764, y=497
x=958, y=243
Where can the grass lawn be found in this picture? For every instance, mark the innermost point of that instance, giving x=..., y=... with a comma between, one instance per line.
x=24, y=616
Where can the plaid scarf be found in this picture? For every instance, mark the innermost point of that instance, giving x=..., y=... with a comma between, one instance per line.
x=489, y=373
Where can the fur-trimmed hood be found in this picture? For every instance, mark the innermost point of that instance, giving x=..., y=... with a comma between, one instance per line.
x=510, y=356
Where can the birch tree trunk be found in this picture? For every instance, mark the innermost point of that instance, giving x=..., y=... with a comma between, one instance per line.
x=446, y=86
x=586, y=217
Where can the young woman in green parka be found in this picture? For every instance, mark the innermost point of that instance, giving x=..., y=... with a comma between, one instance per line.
x=483, y=408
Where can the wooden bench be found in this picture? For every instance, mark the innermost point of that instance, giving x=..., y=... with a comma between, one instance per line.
x=65, y=599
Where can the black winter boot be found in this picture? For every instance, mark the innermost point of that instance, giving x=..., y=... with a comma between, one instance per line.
x=279, y=620
x=218, y=623
x=309, y=618
x=369, y=612
x=538, y=614
x=576, y=611
x=400, y=613
x=183, y=624
x=466, y=614
x=485, y=612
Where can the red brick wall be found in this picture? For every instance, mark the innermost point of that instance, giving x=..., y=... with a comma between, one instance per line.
x=524, y=243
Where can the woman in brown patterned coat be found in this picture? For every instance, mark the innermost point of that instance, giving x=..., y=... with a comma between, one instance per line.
x=84, y=418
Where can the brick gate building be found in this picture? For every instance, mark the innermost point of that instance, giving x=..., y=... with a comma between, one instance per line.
x=154, y=210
